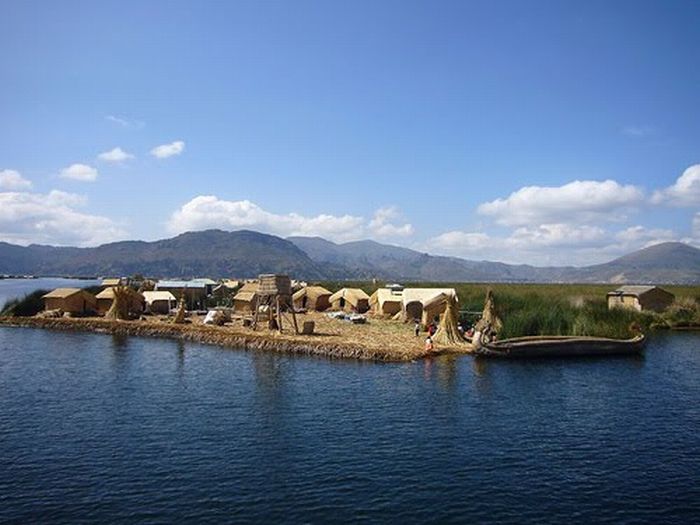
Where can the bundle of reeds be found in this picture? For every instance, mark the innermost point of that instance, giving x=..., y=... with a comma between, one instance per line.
x=489, y=319
x=181, y=311
x=448, y=332
x=119, y=311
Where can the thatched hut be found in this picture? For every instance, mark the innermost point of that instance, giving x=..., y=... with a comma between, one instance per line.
x=426, y=304
x=70, y=300
x=244, y=301
x=312, y=298
x=640, y=298
x=350, y=300
x=385, y=301
x=159, y=302
x=136, y=303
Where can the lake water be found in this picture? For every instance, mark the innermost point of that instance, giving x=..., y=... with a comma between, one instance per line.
x=96, y=428
x=11, y=288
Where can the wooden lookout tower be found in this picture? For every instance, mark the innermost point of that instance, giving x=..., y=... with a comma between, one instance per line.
x=274, y=301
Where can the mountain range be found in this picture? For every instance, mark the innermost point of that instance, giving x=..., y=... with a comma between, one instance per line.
x=215, y=253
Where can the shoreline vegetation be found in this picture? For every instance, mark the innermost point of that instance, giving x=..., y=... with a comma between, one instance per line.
x=525, y=309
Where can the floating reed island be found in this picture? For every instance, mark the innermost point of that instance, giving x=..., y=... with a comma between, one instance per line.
x=274, y=313
x=379, y=340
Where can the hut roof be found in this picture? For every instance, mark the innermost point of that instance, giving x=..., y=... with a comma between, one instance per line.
x=150, y=297
x=352, y=295
x=245, y=296
x=311, y=291
x=108, y=293
x=251, y=287
x=180, y=284
x=386, y=295
x=111, y=282
x=426, y=296
x=634, y=290
x=62, y=293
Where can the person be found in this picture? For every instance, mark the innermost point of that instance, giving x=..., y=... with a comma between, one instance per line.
x=428, y=344
x=416, y=328
x=432, y=329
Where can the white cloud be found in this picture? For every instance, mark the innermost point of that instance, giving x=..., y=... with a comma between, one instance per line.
x=51, y=218
x=696, y=226
x=115, y=155
x=573, y=203
x=81, y=172
x=208, y=211
x=13, y=180
x=685, y=191
x=381, y=224
x=168, y=150
x=125, y=122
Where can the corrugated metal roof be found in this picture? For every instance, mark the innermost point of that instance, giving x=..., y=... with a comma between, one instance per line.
x=150, y=297
x=180, y=284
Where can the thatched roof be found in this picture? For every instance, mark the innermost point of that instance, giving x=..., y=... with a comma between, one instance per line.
x=251, y=287
x=351, y=295
x=108, y=293
x=151, y=297
x=635, y=290
x=62, y=293
x=245, y=296
x=427, y=296
x=313, y=292
x=385, y=295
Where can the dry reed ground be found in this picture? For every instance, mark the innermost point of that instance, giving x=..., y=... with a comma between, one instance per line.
x=378, y=340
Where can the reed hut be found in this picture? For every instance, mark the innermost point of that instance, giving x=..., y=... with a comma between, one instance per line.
x=70, y=300
x=426, y=304
x=350, y=300
x=312, y=298
x=135, y=302
x=159, y=302
x=244, y=301
x=386, y=302
x=112, y=281
x=640, y=298
x=195, y=291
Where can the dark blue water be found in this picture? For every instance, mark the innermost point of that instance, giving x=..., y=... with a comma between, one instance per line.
x=101, y=429
x=12, y=288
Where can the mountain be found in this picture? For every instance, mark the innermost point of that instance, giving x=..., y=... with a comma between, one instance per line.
x=669, y=262
x=207, y=253
x=215, y=253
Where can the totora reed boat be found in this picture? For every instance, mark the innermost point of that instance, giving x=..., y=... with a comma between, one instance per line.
x=560, y=346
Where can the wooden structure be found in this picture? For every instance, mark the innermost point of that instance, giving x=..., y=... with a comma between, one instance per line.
x=640, y=298
x=273, y=301
x=70, y=300
x=312, y=298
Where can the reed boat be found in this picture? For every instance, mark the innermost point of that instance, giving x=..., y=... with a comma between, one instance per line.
x=560, y=346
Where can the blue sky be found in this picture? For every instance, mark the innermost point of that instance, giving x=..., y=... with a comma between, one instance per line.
x=540, y=132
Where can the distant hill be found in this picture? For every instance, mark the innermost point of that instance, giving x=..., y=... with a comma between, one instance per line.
x=212, y=252
x=216, y=253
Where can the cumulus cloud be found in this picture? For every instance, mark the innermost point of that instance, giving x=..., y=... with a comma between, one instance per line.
x=550, y=244
x=381, y=224
x=696, y=226
x=115, y=155
x=168, y=150
x=575, y=202
x=13, y=180
x=685, y=191
x=208, y=211
x=52, y=218
x=81, y=172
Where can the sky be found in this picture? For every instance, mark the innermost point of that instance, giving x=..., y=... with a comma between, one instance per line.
x=537, y=132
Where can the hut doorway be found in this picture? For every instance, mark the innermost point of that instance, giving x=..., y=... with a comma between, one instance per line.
x=304, y=302
x=414, y=310
x=342, y=302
